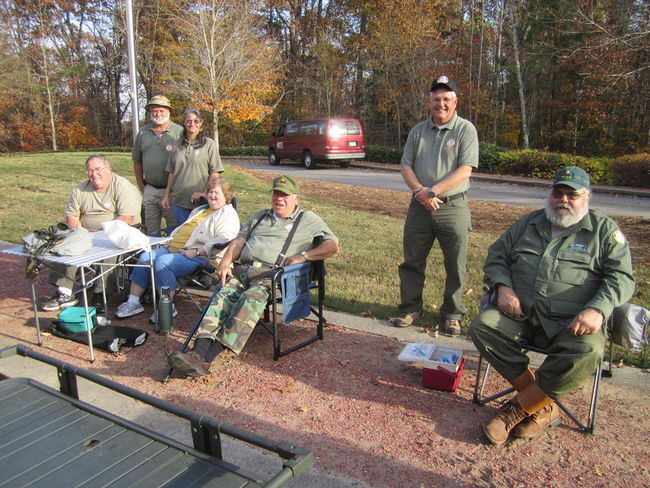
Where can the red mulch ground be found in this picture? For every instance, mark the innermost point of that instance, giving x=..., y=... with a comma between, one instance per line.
x=363, y=413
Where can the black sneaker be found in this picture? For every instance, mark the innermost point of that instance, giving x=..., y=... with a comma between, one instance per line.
x=59, y=301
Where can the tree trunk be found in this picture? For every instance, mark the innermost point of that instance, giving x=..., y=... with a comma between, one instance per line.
x=520, y=83
x=50, y=103
x=215, y=130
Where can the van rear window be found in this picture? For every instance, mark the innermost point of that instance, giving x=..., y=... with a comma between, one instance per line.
x=340, y=127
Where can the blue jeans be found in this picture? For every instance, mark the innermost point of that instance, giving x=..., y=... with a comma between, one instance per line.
x=167, y=266
x=181, y=214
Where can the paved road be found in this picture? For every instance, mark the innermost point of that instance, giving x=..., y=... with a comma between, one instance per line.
x=506, y=193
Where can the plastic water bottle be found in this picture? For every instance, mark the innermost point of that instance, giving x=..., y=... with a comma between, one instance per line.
x=164, y=313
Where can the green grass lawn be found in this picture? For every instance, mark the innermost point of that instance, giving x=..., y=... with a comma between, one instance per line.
x=362, y=278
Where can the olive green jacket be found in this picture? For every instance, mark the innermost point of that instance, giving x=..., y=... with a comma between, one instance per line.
x=587, y=266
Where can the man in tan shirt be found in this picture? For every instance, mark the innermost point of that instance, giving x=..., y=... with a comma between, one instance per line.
x=102, y=197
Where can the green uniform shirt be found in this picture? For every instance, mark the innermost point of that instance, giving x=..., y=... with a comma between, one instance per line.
x=586, y=266
x=192, y=168
x=93, y=208
x=267, y=238
x=153, y=152
x=433, y=153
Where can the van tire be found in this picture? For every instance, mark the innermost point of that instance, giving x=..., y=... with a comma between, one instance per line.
x=345, y=163
x=308, y=160
x=273, y=158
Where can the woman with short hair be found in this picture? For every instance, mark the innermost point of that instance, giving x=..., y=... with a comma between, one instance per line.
x=194, y=161
x=191, y=246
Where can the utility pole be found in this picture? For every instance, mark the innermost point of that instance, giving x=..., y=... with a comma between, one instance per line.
x=133, y=82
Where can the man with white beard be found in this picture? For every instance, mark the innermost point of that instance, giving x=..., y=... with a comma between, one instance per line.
x=558, y=273
x=151, y=151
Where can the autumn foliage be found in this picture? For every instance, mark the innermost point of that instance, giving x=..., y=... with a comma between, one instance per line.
x=557, y=76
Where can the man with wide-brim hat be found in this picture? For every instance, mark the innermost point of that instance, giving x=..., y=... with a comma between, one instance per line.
x=558, y=273
x=257, y=250
x=152, y=149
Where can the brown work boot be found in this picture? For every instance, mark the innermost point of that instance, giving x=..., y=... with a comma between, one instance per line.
x=523, y=380
x=189, y=363
x=498, y=429
x=531, y=427
x=452, y=327
x=406, y=319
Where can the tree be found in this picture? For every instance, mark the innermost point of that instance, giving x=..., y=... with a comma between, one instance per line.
x=226, y=66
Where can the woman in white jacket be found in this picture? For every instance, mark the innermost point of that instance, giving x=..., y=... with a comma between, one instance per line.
x=191, y=246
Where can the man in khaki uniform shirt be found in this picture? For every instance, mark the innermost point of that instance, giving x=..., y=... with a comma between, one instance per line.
x=102, y=197
x=152, y=149
x=558, y=274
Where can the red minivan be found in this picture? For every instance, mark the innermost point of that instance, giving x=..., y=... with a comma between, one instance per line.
x=318, y=140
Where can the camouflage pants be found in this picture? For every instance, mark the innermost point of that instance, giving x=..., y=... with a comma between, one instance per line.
x=233, y=314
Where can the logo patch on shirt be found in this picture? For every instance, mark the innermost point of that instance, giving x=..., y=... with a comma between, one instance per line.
x=619, y=237
x=578, y=246
x=451, y=143
x=169, y=148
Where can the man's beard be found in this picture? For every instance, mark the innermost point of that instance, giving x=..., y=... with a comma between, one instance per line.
x=160, y=120
x=565, y=219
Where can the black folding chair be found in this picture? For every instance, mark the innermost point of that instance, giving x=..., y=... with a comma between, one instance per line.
x=291, y=286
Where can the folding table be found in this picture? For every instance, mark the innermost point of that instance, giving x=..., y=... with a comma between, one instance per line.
x=102, y=249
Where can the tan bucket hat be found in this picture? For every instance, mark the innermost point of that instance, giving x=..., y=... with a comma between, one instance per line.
x=160, y=100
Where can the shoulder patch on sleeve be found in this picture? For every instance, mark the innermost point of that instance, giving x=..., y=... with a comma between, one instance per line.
x=619, y=237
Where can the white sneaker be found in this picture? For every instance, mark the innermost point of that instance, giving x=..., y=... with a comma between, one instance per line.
x=154, y=316
x=128, y=309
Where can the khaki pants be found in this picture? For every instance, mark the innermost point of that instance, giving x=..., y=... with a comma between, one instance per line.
x=570, y=360
x=61, y=275
x=153, y=211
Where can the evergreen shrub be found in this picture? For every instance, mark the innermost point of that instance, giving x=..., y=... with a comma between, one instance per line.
x=542, y=164
x=488, y=157
x=631, y=170
x=382, y=154
x=244, y=151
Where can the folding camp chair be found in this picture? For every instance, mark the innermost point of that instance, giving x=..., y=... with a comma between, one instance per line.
x=291, y=286
x=587, y=428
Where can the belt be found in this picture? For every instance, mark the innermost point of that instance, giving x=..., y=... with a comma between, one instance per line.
x=155, y=186
x=451, y=198
x=258, y=264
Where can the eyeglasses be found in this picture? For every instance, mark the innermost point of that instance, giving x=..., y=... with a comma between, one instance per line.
x=571, y=195
x=443, y=100
x=193, y=121
x=98, y=171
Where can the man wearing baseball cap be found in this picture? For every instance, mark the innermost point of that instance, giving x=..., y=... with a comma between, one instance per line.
x=558, y=273
x=257, y=250
x=151, y=151
x=439, y=156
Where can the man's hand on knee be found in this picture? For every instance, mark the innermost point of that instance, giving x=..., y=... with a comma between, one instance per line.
x=508, y=301
x=589, y=321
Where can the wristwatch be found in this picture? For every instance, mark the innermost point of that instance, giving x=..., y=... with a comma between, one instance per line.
x=432, y=194
x=304, y=255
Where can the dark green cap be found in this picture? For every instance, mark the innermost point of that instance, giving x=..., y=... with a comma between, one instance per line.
x=572, y=176
x=286, y=185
